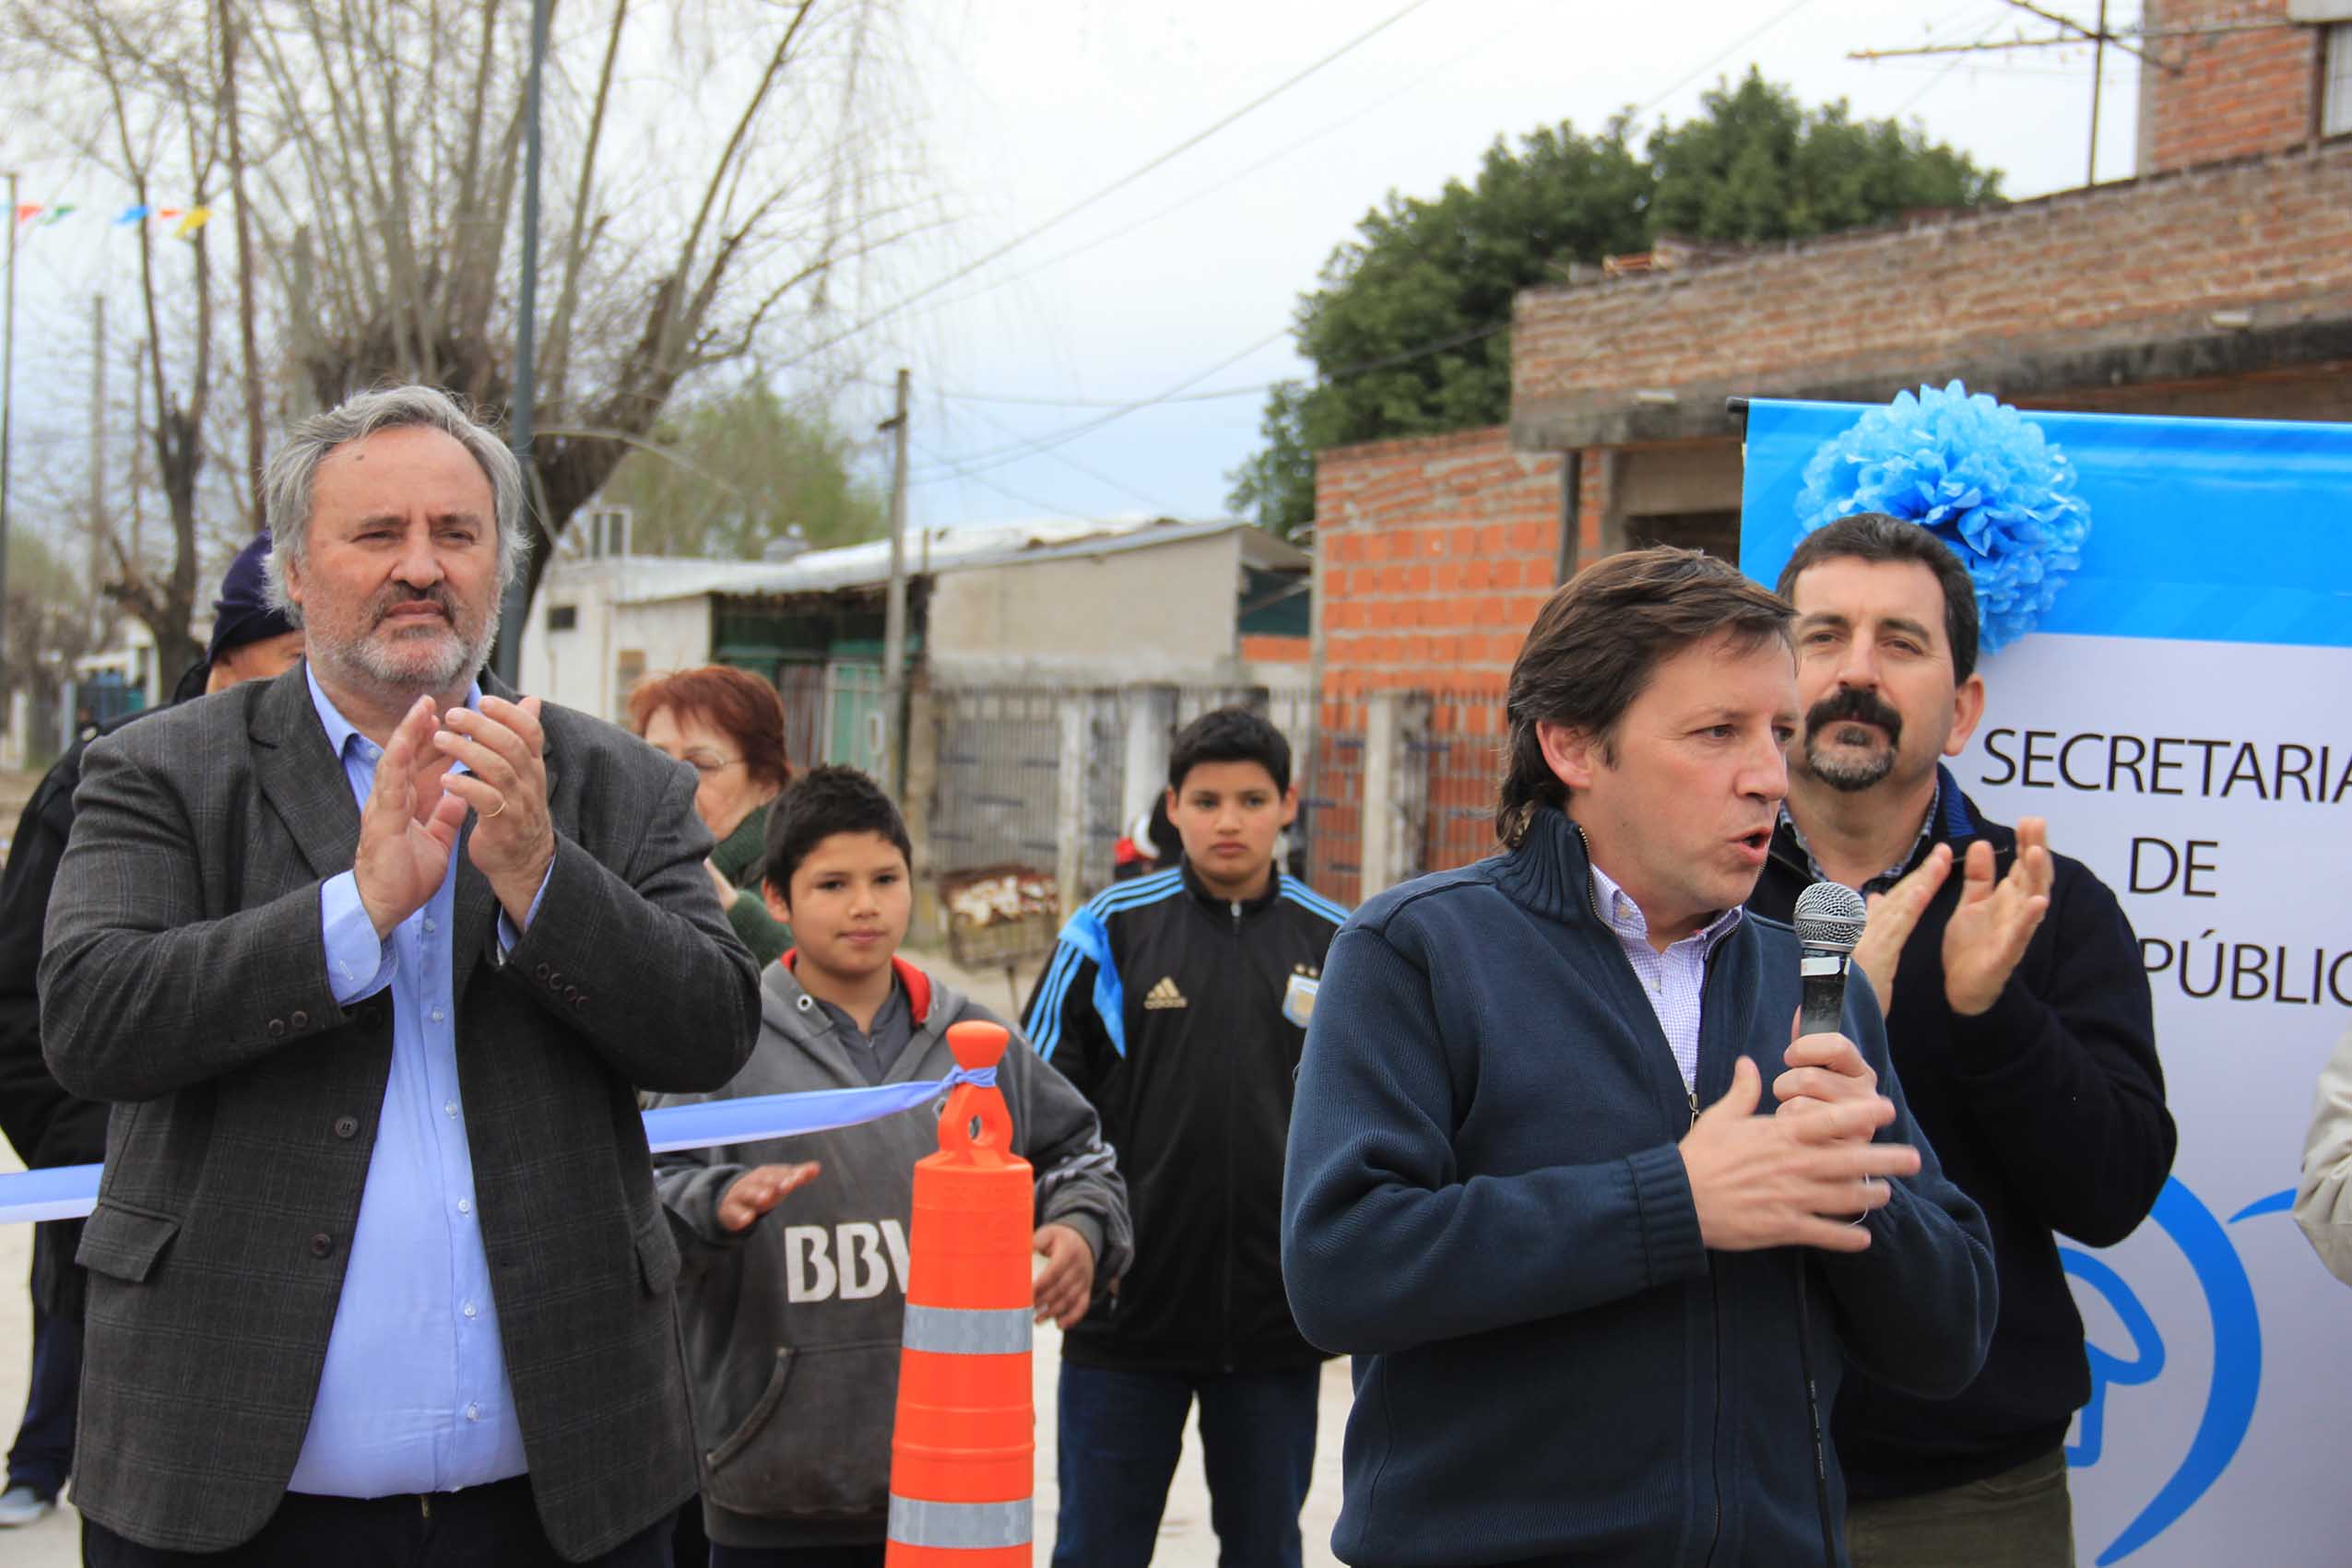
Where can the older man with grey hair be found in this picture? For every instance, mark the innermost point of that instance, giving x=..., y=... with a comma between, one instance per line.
x=373, y=958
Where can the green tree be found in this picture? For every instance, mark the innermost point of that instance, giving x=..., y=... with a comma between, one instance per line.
x=1427, y=271
x=1422, y=272
x=1759, y=166
x=724, y=474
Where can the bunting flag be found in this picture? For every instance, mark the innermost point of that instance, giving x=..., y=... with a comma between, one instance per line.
x=185, y=221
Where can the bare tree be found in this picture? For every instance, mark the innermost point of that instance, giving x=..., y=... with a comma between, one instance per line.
x=712, y=164
x=717, y=172
x=138, y=91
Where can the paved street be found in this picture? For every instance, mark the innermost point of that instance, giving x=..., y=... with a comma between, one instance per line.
x=1186, y=1538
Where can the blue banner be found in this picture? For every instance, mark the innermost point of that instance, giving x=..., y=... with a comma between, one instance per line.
x=2210, y=530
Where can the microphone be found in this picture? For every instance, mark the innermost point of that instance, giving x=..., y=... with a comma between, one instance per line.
x=1829, y=921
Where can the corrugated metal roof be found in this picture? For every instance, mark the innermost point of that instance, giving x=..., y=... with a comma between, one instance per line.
x=648, y=580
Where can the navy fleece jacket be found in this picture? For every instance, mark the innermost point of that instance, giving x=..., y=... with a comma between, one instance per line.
x=1483, y=1204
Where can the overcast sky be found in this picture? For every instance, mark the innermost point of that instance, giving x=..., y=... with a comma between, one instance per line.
x=1185, y=278
x=1034, y=106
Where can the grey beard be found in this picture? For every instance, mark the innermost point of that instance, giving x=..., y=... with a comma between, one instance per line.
x=361, y=659
x=1850, y=778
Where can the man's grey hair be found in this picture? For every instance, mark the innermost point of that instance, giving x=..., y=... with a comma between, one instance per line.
x=286, y=482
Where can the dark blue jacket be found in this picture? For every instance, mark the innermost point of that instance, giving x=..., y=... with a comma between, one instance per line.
x=1485, y=1206
x=1173, y=1011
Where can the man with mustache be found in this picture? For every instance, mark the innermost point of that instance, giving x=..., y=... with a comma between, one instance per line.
x=2019, y=1019
x=372, y=958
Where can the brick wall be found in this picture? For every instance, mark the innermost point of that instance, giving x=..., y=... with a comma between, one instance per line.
x=2113, y=285
x=1437, y=553
x=2236, y=93
x=1260, y=647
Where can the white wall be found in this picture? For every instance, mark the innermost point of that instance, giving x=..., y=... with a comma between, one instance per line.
x=591, y=667
x=1161, y=613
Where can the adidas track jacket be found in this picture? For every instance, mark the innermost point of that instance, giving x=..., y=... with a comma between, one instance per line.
x=1181, y=1017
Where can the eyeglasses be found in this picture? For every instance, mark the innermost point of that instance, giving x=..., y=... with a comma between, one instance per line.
x=706, y=765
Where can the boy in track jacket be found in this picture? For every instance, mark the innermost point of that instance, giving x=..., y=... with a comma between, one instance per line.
x=792, y=1322
x=1177, y=1003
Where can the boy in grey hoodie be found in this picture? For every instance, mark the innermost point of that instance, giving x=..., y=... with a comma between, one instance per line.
x=792, y=1322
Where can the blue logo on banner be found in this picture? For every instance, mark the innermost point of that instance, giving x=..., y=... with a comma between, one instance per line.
x=2236, y=1356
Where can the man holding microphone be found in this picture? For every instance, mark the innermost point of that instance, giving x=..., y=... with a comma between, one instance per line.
x=1596, y=1231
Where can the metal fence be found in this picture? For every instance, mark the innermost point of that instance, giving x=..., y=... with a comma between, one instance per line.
x=1038, y=777
x=1330, y=802
x=1463, y=745
x=996, y=801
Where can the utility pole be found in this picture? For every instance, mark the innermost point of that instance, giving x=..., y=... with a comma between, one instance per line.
x=7, y=414
x=894, y=606
x=139, y=446
x=507, y=664
x=2099, y=79
x=229, y=25
x=97, y=462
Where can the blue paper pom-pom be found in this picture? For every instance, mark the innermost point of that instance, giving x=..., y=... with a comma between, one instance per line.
x=1976, y=474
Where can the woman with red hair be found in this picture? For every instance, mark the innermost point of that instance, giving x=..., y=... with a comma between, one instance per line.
x=728, y=725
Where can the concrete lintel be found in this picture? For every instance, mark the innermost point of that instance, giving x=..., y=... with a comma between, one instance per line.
x=2011, y=372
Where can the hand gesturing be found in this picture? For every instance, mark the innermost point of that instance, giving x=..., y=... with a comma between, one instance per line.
x=408, y=826
x=504, y=750
x=1991, y=926
x=1790, y=1180
x=1894, y=914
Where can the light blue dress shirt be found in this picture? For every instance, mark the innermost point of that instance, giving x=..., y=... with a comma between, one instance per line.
x=413, y=1396
x=1675, y=980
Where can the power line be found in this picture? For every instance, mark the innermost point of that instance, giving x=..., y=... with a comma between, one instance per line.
x=1120, y=184
x=1343, y=373
x=1119, y=410
x=1048, y=508
x=1227, y=182
x=1741, y=43
x=1937, y=80
x=1093, y=473
x=970, y=465
x=1387, y=361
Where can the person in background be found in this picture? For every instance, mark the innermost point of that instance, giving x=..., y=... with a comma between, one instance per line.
x=251, y=641
x=2323, y=1195
x=728, y=725
x=2018, y=1018
x=1135, y=855
x=792, y=1331
x=1177, y=1003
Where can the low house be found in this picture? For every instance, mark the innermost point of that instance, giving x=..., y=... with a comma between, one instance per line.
x=1056, y=603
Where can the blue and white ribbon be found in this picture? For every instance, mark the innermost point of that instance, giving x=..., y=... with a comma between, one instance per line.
x=70, y=1192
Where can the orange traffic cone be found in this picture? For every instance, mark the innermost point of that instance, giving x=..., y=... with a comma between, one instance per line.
x=963, y=1455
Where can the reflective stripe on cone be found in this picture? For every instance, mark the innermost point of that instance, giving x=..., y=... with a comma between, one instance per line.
x=964, y=1452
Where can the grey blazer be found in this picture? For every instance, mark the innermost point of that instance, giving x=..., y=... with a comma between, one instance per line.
x=184, y=978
